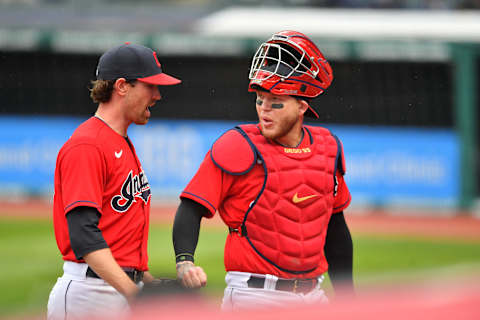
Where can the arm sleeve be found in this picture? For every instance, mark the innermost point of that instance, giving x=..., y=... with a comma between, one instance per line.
x=85, y=236
x=339, y=252
x=186, y=228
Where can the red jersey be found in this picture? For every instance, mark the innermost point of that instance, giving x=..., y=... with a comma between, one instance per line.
x=99, y=168
x=231, y=195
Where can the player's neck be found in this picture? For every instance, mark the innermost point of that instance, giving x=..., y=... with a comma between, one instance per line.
x=293, y=139
x=114, y=121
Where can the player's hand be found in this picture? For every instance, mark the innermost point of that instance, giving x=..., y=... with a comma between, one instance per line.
x=148, y=277
x=190, y=275
x=131, y=295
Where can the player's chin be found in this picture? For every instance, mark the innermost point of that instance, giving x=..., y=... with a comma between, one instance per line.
x=142, y=121
x=269, y=133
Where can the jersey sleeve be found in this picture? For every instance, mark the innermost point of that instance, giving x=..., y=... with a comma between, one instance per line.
x=83, y=172
x=343, y=198
x=206, y=186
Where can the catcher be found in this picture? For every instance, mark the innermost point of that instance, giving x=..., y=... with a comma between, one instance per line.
x=278, y=186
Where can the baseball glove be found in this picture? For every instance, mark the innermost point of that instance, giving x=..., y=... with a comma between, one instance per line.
x=164, y=286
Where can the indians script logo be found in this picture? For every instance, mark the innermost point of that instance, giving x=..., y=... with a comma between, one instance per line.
x=134, y=187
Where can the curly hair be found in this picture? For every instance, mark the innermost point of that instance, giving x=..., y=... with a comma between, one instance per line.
x=101, y=90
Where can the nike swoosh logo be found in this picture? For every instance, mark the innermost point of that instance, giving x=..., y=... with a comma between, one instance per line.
x=118, y=154
x=297, y=199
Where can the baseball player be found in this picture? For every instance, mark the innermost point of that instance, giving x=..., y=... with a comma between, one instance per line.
x=278, y=186
x=102, y=195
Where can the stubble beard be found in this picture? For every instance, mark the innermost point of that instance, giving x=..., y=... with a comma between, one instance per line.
x=281, y=130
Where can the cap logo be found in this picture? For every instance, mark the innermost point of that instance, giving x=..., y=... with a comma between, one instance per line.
x=156, y=59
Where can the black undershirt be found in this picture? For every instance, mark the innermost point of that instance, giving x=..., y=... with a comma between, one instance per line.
x=85, y=236
x=339, y=252
x=186, y=229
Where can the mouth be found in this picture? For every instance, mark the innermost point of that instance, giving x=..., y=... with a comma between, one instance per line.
x=148, y=112
x=266, y=122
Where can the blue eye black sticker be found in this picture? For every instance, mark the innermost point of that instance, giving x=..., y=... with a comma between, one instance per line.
x=259, y=102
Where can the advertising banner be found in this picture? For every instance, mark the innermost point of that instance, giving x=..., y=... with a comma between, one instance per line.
x=385, y=165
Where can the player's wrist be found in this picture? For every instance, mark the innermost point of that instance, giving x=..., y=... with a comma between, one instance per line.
x=184, y=257
x=130, y=292
x=183, y=268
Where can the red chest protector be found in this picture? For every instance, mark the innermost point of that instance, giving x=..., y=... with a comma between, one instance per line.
x=286, y=224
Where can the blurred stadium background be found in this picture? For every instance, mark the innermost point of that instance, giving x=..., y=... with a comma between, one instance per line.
x=404, y=101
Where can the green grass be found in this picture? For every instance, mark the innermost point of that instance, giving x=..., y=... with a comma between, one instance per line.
x=31, y=262
x=412, y=259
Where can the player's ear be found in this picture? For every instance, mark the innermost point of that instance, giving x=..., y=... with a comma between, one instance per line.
x=303, y=106
x=121, y=86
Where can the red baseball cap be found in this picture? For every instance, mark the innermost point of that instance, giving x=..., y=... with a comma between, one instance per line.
x=133, y=62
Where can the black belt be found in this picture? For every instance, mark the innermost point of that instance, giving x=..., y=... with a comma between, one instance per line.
x=132, y=273
x=291, y=285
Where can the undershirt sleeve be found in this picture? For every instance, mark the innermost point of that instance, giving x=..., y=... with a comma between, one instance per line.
x=85, y=236
x=339, y=252
x=186, y=228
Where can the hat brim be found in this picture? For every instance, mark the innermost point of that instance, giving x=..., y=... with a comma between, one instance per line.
x=161, y=79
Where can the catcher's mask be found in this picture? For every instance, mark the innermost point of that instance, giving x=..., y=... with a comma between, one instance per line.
x=289, y=63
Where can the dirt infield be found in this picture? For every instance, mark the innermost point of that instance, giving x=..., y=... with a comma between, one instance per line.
x=459, y=225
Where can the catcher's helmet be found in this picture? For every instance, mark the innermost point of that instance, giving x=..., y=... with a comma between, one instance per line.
x=289, y=63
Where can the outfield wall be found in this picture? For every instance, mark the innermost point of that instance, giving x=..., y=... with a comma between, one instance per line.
x=386, y=166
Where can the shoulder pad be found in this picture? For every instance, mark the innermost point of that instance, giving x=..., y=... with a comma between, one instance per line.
x=340, y=158
x=233, y=153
